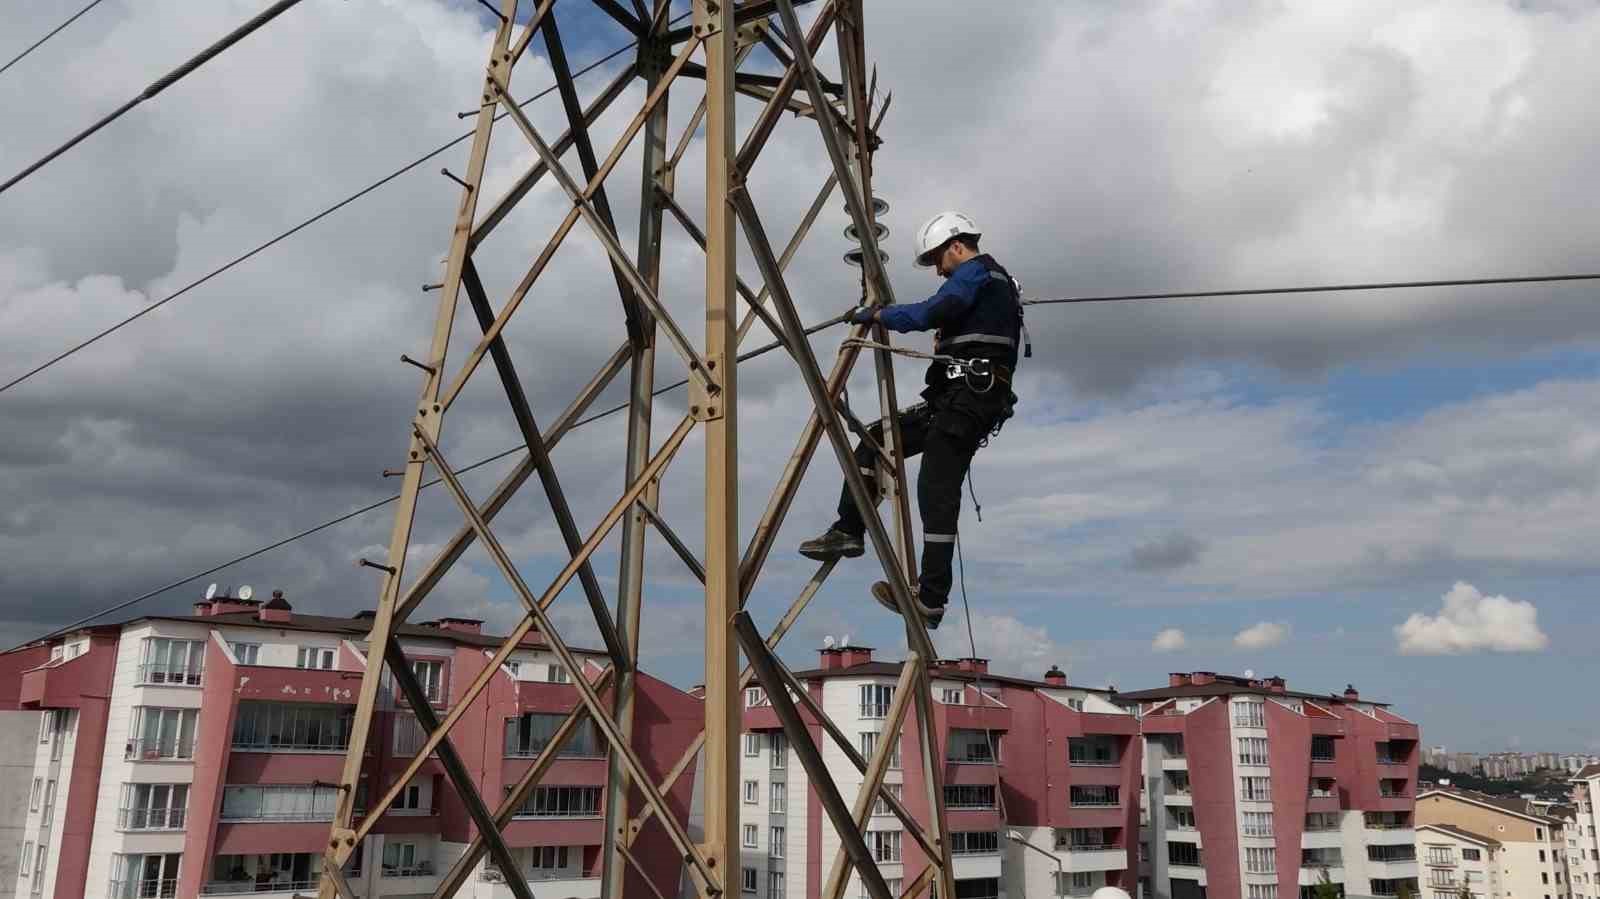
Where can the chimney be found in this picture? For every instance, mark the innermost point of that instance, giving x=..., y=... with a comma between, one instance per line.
x=1201, y=678
x=973, y=666
x=276, y=610
x=202, y=608
x=1277, y=685
x=222, y=605
x=461, y=625
x=1055, y=677
x=830, y=657
x=1178, y=679
x=1350, y=693
x=854, y=655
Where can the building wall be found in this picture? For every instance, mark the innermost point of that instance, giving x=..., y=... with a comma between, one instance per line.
x=18, y=736
x=1522, y=871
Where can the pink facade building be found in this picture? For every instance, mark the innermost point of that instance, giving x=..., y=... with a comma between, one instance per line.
x=1041, y=783
x=1259, y=792
x=199, y=755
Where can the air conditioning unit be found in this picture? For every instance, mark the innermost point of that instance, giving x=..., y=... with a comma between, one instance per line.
x=490, y=875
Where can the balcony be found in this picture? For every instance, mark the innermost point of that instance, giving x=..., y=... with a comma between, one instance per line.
x=252, y=888
x=1313, y=876
x=150, y=818
x=1104, y=858
x=1324, y=838
x=1182, y=798
x=556, y=883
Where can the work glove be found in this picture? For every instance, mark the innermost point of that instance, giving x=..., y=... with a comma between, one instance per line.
x=861, y=315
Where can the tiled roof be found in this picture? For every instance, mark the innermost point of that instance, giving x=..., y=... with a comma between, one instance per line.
x=1516, y=805
x=1588, y=772
x=352, y=627
x=892, y=669
x=1231, y=688
x=1464, y=834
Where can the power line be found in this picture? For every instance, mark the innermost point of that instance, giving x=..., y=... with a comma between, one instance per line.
x=53, y=32
x=160, y=84
x=758, y=351
x=289, y=233
x=1326, y=288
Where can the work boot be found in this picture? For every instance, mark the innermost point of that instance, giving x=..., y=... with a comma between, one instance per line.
x=833, y=544
x=931, y=615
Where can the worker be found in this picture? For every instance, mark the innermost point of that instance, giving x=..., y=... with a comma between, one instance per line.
x=977, y=315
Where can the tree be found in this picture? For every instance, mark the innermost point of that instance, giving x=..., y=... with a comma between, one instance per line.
x=1326, y=888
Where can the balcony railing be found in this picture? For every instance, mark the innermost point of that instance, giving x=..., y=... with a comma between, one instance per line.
x=156, y=673
x=246, y=887
x=293, y=744
x=419, y=869
x=148, y=750
x=164, y=888
x=1088, y=762
x=150, y=818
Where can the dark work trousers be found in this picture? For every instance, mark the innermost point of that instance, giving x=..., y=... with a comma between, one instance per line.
x=946, y=430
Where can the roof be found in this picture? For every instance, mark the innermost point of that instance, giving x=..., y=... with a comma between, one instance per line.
x=892, y=669
x=354, y=627
x=1587, y=772
x=1455, y=831
x=1513, y=805
x=1230, y=687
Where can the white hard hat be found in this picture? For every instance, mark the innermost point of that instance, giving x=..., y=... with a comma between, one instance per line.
x=1110, y=893
x=935, y=232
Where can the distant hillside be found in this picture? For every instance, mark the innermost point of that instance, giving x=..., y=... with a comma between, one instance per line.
x=1545, y=784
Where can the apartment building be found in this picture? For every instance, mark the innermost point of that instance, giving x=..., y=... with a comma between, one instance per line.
x=199, y=755
x=1041, y=783
x=1523, y=853
x=1583, y=847
x=1259, y=792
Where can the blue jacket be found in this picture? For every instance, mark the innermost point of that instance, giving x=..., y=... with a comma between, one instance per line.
x=977, y=313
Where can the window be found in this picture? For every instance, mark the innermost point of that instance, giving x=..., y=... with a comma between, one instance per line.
x=749, y=834
x=409, y=736
x=561, y=802
x=430, y=677
x=1322, y=858
x=511, y=667
x=1075, y=883
x=1471, y=855
x=968, y=796
x=1252, y=750
x=1404, y=852
x=163, y=733
x=1092, y=750
x=27, y=856
x=752, y=745
x=780, y=797
x=747, y=880
x=885, y=845
x=557, y=674
x=405, y=860
x=973, y=746
x=42, y=858
x=974, y=842
x=752, y=792
x=869, y=745
x=1322, y=749
x=38, y=790
x=1249, y=713
x=755, y=697
x=314, y=657
x=951, y=696
x=410, y=799
x=875, y=699
x=1257, y=824
x=880, y=807
x=275, y=726
x=775, y=885
x=1262, y=891
x=547, y=858
x=140, y=876
x=1322, y=821
x=1540, y=836
x=1183, y=854
x=776, y=844
x=1075, y=704
x=1255, y=789
x=287, y=802
x=1085, y=838
x=153, y=806
x=1092, y=796
x=528, y=734
x=168, y=661
x=779, y=744
x=1260, y=860
x=1180, y=818
x=53, y=727
x=245, y=653
x=895, y=885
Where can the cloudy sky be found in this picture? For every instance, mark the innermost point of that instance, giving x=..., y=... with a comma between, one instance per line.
x=1391, y=489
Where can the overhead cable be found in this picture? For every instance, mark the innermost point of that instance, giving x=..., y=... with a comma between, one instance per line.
x=356, y=513
x=53, y=32
x=1325, y=288
x=146, y=310
x=160, y=84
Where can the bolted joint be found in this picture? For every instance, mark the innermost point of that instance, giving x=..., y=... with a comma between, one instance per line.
x=364, y=562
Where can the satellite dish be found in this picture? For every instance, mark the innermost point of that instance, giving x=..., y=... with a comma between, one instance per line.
x=1249, y=672
x=211, y=591
x=246, y=592
x=827, y=641
x=845, y=641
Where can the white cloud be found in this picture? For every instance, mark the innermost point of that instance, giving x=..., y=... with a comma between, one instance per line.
x=1262, y=635
x=1471, y=622
x=1170, y=640
x=1011, y=645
